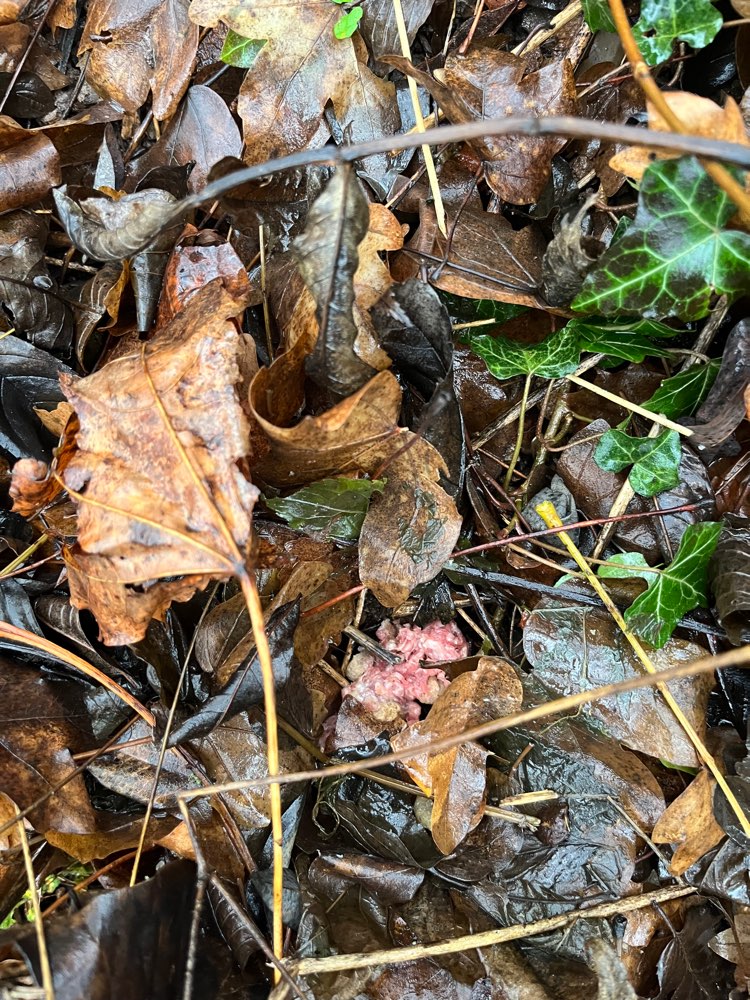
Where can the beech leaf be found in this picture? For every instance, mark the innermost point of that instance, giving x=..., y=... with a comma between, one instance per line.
x=677, y=252
x=148, y=532
x=334, y=508
x=655, y=461
x=729, y=578
x=677, y=589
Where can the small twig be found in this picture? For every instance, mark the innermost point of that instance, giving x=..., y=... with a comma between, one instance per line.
x=519, y=434
x=486, y=939
x=21, y=559
x=706, y=665
x=566, y=15
x=549, y=515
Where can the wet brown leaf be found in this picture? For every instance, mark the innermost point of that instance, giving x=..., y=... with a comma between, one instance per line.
x=301, y=67
x=574, y=649
x=411, y=528
x=327, y=256
x=149, y=533
x=729, y=575
x=202, y=131
x=43, y=723
x=190, y=267
x=29, y=165
x=137, y=48
x=689, y=822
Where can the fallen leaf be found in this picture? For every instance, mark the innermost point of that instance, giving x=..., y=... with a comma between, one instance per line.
x=147, y=46
x=202, y=132
x=148, y=533
x=191, y=266
x=301, y=67
x=43, y=723
x=706, y=119
x=333, y=508
x=27, y=290
x=689, y=822
x=723, y=409
x=29, y=165
x=411, y=527
x=327, y=255
x=110, y=229
x=108, y=946
x=343, y=439
x=573, y=649
x=729, y=575
x=379, y=25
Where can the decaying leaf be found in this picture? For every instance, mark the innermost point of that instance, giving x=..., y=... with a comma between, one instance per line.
x=154, y=498
x=29, y=165
x=343, y=439
x=110, y=229
x=411, y=527
x=301, y=67
x=729, y=579
x=327, y=256
x=706, y=118
x=144, y=46
x=574, y=648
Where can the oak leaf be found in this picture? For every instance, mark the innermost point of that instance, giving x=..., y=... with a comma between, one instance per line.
x=163, y=505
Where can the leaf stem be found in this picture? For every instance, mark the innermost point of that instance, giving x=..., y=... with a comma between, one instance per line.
x=519, y=434
x=551, y=518
x=718, y=173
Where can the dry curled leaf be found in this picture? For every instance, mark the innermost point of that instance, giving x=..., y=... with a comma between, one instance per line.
x=163, y=505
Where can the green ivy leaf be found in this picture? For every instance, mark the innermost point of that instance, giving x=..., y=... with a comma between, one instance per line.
x=677, y=589
x=655, y=461
x=556, y=356
x=684, y=393
x=463, y=310
x=626, y=566
x=629, y=340
x=676, y=254
x=597, y=15
x=334, y=508
x=240, y=51
x=347, y=24
x=663, y=22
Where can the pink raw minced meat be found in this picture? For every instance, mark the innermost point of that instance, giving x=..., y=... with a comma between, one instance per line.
x=387, y=690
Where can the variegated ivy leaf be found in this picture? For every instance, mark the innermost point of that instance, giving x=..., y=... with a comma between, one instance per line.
x=655, y=461
x=683, y=393
x=664, y=22
x=556, y=356
x=677, y=589
x=677, y=253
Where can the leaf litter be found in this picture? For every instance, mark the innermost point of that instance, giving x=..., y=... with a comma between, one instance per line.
x=283, y=465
